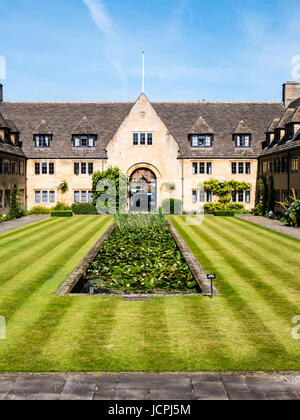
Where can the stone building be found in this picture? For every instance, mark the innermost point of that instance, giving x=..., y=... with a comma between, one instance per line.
x=12, y=162
x=178, y=144
x=281, y=149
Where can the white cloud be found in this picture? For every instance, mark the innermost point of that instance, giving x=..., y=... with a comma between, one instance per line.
x=113, y=45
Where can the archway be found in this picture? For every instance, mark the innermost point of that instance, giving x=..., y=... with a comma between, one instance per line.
x=143, y=190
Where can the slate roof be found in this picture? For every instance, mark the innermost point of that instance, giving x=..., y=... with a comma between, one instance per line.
x=84, y=127
x=242, y=128
x=5, y=147
x=201, y=127
x=223, y=118
x=105, y=118
x=42, y=128
x=290, y=115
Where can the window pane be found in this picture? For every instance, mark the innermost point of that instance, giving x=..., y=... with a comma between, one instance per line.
x=38, y=196
x=91, y=168
x=77, y=142
x=83, y=197
x=51, y=168
x=90, y=196
x=241, y=167
x=248, y=196
x=248, y=168
x=202, y=196
x=208, y=196
x=45, y=197
x=52, y=196
x=195, y=196
x=234, y=196
x=76, y=168
x=150, y=139
x=135, y=139
x=37, y=168
x=195, y=141
x=202, y=168
x=208, y=141
x=209, y=168
x=143, y=139
x=195, y=168
x=91, y=142
x=241, y=196
x=83, y=168
x=76, y=197
x=44, y=168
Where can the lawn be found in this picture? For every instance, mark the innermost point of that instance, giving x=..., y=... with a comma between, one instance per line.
x=247, y=327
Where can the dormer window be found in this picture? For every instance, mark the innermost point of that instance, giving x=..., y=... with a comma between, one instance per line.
x=201, y=141
x=42, y=141
x=289, y=131
x=243, y=140
x=84, y=141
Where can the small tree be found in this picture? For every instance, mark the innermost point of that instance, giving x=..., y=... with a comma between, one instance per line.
x=15, y=208
x=114, y=185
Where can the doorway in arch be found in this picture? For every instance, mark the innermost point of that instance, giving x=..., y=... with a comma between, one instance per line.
x=143, y=191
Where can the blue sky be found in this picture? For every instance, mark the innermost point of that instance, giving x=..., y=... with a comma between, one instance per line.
x=90, y=50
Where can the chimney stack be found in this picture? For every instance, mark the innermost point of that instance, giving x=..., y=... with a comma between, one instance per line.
x=1, y=93
x=291, y=91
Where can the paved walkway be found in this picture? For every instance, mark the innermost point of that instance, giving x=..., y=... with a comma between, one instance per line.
x=272, y=224
x=150, y=387
x=24, y=221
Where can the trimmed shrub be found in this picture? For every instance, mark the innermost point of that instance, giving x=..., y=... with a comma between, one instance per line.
x=40, y=210
x=63, y=213
x=84, y=208
x=229, y=213
x=61, y=207
x=171, y=206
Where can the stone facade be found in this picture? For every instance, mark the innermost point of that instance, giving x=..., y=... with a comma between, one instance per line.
x=280, y=159
x=156, y=137
x=12, y=164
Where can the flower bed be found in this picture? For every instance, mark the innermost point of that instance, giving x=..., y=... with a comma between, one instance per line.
x=140, y=256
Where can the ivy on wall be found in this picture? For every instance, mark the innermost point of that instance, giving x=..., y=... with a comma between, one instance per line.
x=224, y=189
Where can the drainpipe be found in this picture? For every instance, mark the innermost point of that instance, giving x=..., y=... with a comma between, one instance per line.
x=289, y=174
x=182, y=179
x=26, y=182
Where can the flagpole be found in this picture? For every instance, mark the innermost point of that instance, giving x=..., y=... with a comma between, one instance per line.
x=143, y=86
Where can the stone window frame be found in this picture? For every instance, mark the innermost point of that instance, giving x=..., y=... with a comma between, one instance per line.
x=239, y=140
x=201, y=137
x=78, y=139
x=42, y=139
x=143, y=138
x=198, y=169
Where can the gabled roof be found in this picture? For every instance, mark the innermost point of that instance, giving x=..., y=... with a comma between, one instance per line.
x=84, y=127
x=242, y=128
x=42, y=128
x=285, y=118
x=295, y=117
x=201, y=127
x=11, y=126
x=3, y=123
x=273, y=125
x=106, y=118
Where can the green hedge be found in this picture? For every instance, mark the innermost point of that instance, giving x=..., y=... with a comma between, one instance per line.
x=63, y=213
x=171, y=206
x=230, y=213
x=84, y=208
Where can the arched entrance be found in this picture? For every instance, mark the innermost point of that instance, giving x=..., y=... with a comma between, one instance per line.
x=143, y=190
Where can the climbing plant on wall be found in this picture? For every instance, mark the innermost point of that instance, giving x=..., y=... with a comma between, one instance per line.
x=223, y=190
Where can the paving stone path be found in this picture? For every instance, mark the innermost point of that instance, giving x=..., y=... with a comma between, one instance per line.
x=24, y=221
x=275, y=225
x=150, y=387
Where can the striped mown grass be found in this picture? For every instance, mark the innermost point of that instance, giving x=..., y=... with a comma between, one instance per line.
x=248, y=327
